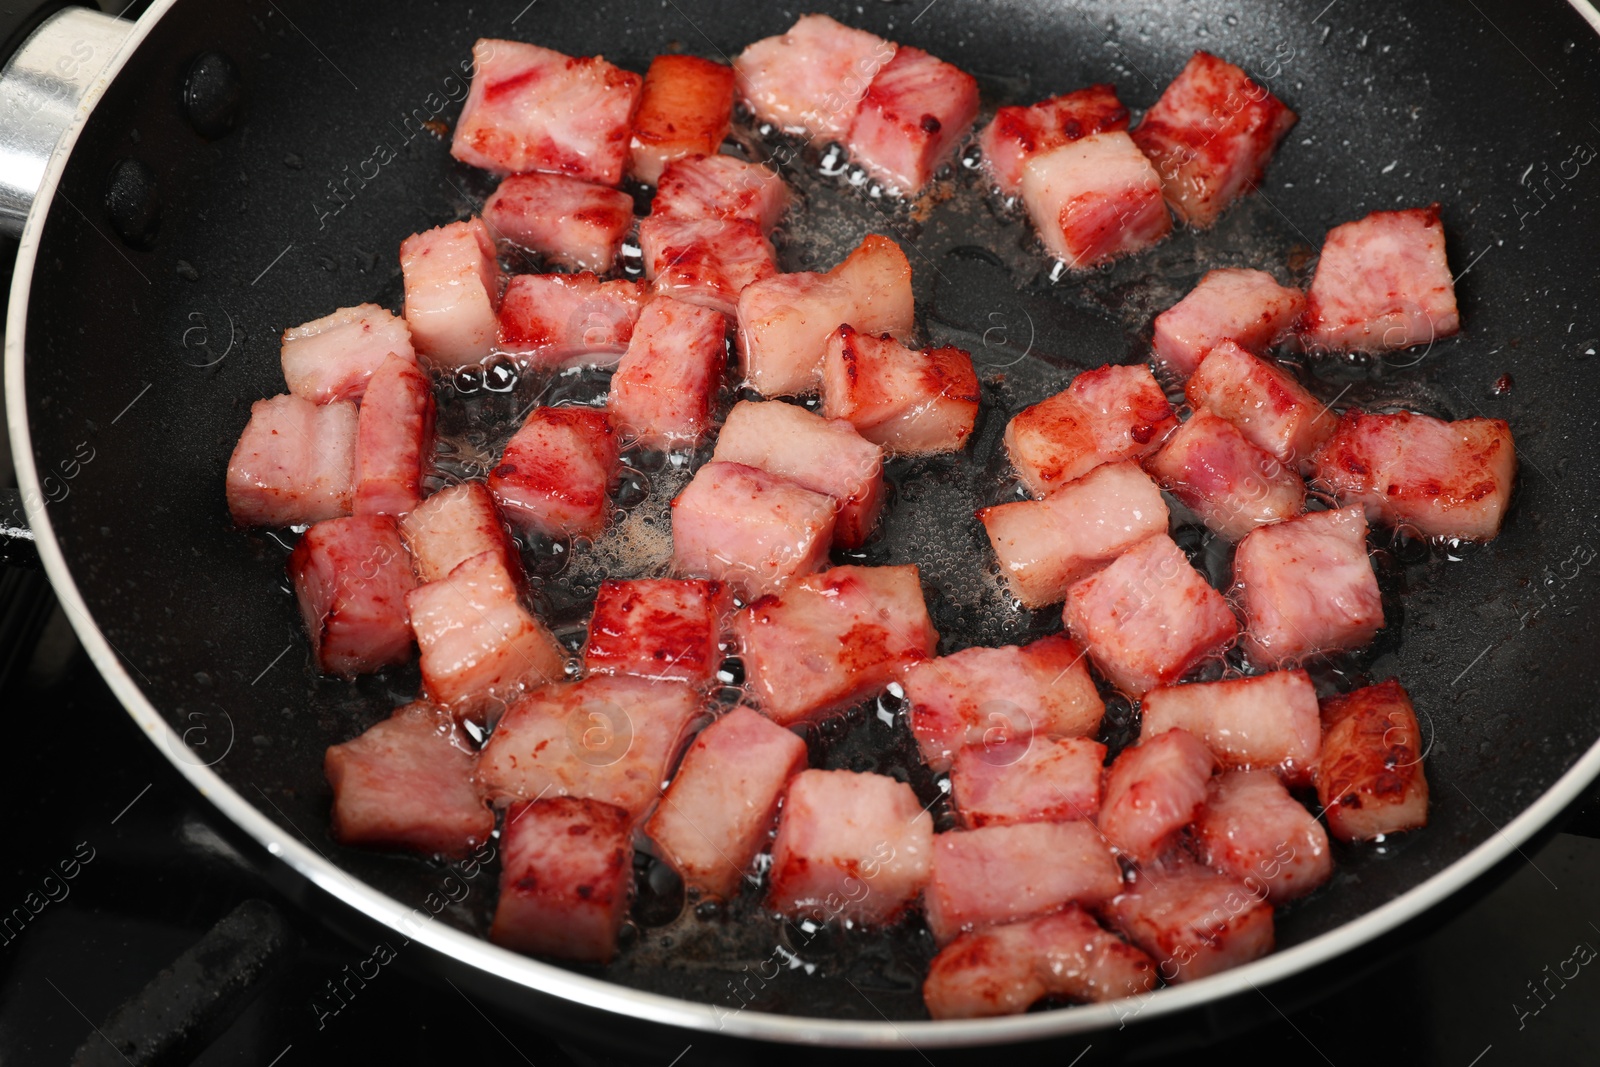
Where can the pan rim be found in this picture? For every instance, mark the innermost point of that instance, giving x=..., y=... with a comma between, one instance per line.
x=588, y=991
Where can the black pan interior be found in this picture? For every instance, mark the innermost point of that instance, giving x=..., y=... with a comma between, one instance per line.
x=147, y=354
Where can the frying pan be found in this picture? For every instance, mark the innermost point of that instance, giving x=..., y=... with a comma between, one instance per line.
x=231, y=180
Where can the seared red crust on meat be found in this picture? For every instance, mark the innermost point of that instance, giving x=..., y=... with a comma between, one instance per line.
x=1152, y=791
x=555, y=474
x=1273, y=410
x=1265, y=720
x=570, y=222
x=663, y=628
x=351, y=577
x=909, y=401
x=1370, y=780
x=453, y=525
x=1233, y=486
x=685, y=109
x=1094, y=199
x=1108, y=414
x=720, y=187
x=1016, y=134
x=294, y=463
x=1253, y=830
x=915, y=112
x=1193, y=921
x=705, y=261
x=1246, y=307
x=394, y=439
x=812, y=78
x=664, y=390
x=565, y=319
x=1029, y=779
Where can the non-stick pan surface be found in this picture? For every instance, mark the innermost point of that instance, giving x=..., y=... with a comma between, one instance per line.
x=148, y=335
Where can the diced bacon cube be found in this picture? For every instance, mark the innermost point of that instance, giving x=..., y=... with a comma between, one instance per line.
x=331, y=358
x=1307, y=586
x=1253, y=830
x=570, y=222
x=560, y=320
x=915, y=112
x=1046, y=545
x=1193, y=921
x=530, y=108
x=664, y=390
x=556, y=472
x=1232, y=485
x=1382, y=283
x=1273, y=411
x=755, y=530
x=661, y=628
x=1211, y=136
x=720, y=187
x=479, y=644
x=452, y=285
x=407, y=784
x=1440, y=479
x=785, y=321
x=1247, y=307
x=453, y=525
x=1152, y=791
x=812, y=78
x=1034, y=779
x=1005, y=969
x=1269, y=720
x=294, y=463
x=612, y=738
x=394, y=439
x=992, y=696
x=833, y=639
x=715, y=816
x=1149, y=617
x=351, y=577
x=1094, y=199
x=1105, y=415
x=685, y=109
x=850, y=846
x=566, y=879
x=1001, y=874
x=913, y=403
x=1370, y=781
x=822, y=455
x=705, y=261
x=1016, y=134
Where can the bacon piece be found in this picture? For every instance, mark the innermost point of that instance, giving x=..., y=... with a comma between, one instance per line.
x=822, y=455
x=1382, y=283
x=452, y=285
x=685, y=109
x=1193, y=921
x=1269, y=720
x=294, y=463
x=1016, y=134
x=1307, y=586
x=1247, y=307
x=479, y=645
x=1046, y=545
x=755, y=530
x=406, y=783
x=785, y=321
x=530, y=108
x=991, y=696
x=665, y=387
x=1232, y=485
x=812, y=78
x=1211, y=136
x=331, y=358
x=1273, y=411
x=1149, y=617
x=915, y=112
x=566, y=879
x=1253, y=830
x=1441, y=479
x=659, y=628
x=570, y=222
x=705, y=261
x=453, y=525
x=1003, y=970
x=913, y=403
x=560, y=320
x=556, y=472
x=1094, y=199
x=715, y=816
x=720, y=187
x=1152, y=791
x=1004, y=873
x=351, y=577
x=850, y=846
x=1370, y=781
x=394, y=439
x=1034, y=779
x=1108, y=414
x=831, y=640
